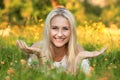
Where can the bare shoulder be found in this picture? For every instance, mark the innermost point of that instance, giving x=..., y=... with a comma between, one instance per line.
x=79, y=48
x=37, y=44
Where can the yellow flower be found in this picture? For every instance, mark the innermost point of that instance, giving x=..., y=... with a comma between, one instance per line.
x=15, y=61
x=7, y=78
x=2, y=62
x=104, y=78
x=106, y=59
x=23, y=61
x=109, y=67
x=92, y=68
x=11, y=71
x=11, y=63
x=88, y=74
x=94, y=65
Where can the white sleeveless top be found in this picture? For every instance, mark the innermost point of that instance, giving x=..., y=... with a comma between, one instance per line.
x=62, y=63
x=85, y=66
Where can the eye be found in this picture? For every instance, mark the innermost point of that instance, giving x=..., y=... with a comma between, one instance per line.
x=65, y=28
x=54, y=27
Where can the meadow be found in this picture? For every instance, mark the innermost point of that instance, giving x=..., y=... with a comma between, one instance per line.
x=13, y=64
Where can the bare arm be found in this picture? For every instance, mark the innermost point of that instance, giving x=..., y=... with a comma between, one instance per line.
x=23, y=46
x=80, y=48
x=37, y=44
x=87, y=54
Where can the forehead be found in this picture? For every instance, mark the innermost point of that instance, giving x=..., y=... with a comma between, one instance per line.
x=59, y=18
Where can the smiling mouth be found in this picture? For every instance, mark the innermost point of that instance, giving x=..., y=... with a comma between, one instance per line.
x=59, y=40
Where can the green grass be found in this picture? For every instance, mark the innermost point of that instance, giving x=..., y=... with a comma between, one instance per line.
x=105, y=67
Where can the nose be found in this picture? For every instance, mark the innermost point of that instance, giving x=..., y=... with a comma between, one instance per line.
x=60, y=33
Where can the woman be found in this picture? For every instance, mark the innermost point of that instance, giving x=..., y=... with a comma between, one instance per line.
x=59, y=44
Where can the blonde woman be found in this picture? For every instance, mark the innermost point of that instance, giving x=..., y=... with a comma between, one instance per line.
x=59, y=44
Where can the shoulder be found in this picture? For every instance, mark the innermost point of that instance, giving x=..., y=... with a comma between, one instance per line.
x=37, y=44
x=79, y=48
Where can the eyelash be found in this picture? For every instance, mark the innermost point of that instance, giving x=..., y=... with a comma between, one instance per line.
x=54, y=28
x=64, y=28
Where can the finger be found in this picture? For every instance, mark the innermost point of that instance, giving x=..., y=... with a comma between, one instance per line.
x=103, y=50
x=18, y=43
x=26, y=48
x=23, y=44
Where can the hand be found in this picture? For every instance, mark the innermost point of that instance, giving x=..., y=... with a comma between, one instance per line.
x=88, y=54
x=22, y=45
x=103, y=50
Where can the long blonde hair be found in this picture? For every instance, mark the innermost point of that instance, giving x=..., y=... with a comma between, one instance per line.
x=47, y=46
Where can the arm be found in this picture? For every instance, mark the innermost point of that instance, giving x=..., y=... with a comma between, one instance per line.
x=79, y=48
x=30, y=50
x=37, y=44
x=87, y=54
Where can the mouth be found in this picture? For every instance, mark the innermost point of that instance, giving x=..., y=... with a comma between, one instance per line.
x=59, y=40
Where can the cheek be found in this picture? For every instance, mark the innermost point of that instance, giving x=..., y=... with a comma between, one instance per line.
x=52, y=33
x=67, y=34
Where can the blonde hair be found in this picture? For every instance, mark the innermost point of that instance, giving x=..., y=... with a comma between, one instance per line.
x=47, y=46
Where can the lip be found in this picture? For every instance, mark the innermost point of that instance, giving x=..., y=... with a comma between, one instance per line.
x=59, y=40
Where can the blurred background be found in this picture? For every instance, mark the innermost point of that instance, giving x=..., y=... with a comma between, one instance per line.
x=27, y=12
x=98, y=25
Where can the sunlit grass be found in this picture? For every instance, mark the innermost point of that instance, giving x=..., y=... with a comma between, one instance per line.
x=13, y=64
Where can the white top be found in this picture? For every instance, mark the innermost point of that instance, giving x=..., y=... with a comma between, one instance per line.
x=85, y=66
x=62, y=63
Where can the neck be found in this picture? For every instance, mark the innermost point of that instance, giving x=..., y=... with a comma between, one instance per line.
x=59, y=53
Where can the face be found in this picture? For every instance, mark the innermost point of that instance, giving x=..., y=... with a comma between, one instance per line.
x=59, y=31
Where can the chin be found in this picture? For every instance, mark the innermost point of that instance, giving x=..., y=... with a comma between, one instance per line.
x=59, y=46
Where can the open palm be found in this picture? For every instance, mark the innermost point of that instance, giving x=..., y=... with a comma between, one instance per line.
x=22, y=45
